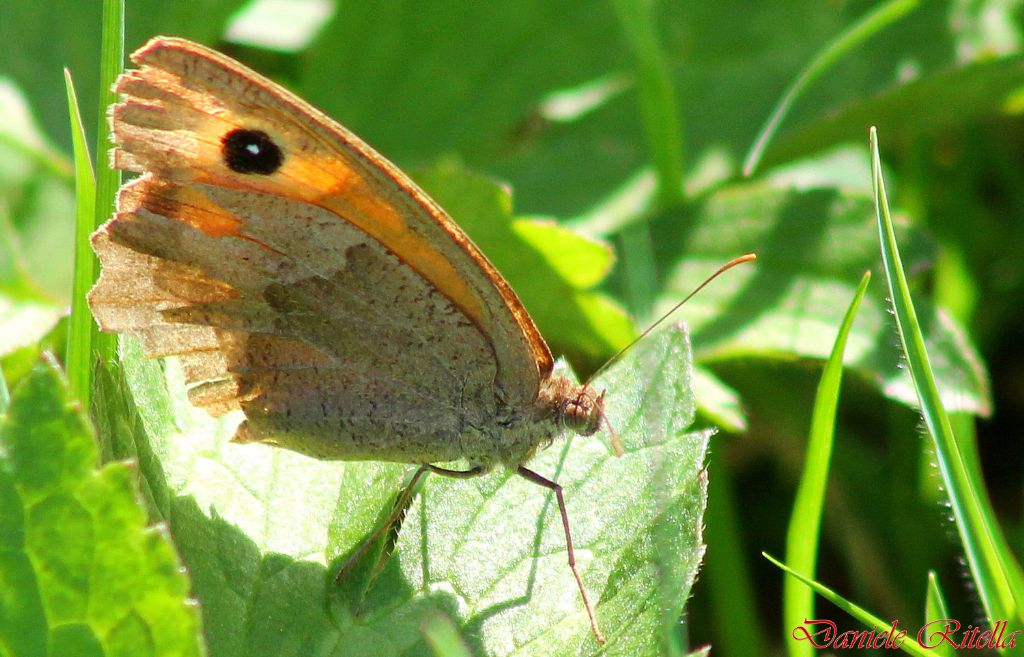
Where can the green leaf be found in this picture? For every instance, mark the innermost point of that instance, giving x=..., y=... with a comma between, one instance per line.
x=82, y=574
x=19, y=363
x=718, y=401
x=812, y=246
x=263, y=530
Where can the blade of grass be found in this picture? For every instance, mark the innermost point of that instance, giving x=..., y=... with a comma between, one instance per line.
x=662, y=126
x=108, y=179
x=805, y=523
x=871, y=24
x=992, y=565
x=866, y=618
x=935, y=610
x=662, y=123
x=81, y=330
x=966, y=435
x=727, y=574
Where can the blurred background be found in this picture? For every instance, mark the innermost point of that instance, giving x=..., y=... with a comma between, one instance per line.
x=628, y=123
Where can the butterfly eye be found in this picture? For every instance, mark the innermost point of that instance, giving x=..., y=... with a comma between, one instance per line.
x=251, y=151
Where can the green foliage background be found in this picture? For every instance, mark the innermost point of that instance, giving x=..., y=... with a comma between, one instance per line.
x=582, y=108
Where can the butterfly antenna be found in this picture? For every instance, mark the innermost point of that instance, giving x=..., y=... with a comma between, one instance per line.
x=727, y=266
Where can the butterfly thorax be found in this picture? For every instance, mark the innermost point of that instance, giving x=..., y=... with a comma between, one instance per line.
x=512, y=436
x=561, y=405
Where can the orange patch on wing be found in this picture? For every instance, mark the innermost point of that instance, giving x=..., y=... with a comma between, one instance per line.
x=198, y=210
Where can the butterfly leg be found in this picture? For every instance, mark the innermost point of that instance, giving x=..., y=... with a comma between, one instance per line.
x=475, y=471
x=532, y=476
x=402, y=503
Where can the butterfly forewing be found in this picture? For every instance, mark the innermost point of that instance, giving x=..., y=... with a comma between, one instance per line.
x=178, y=109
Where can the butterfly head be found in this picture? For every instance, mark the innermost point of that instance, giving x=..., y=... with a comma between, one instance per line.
x=582, y=410
x=578, y=408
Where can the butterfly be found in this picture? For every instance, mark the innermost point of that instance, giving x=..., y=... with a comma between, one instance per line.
x=307, y=282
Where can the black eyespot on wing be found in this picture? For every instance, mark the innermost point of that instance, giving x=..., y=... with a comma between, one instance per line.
x=251, y=151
